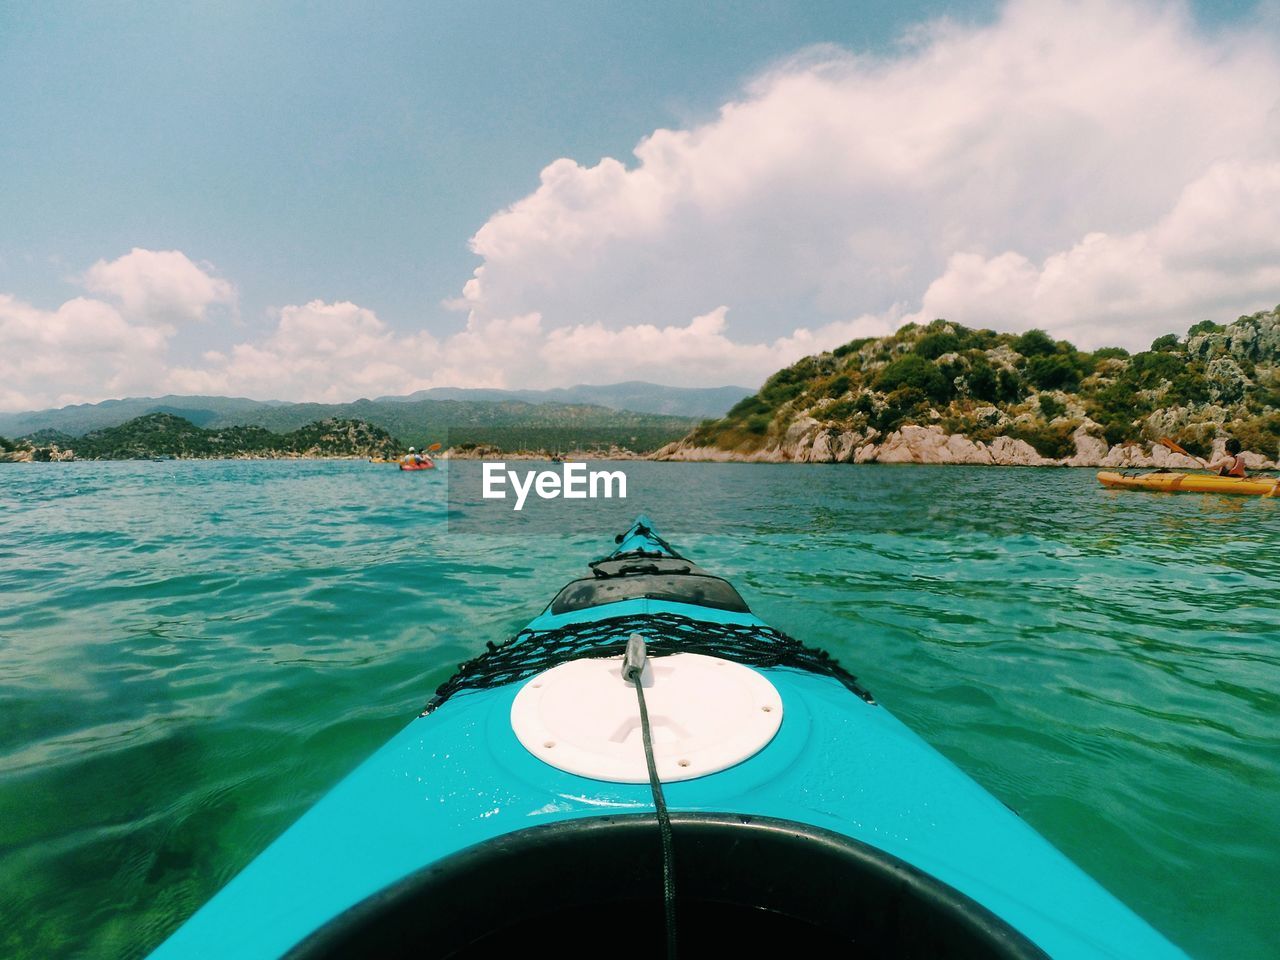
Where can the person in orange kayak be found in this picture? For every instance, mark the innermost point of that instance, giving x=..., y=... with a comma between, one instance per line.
x=1230, y=464
x=412, y=457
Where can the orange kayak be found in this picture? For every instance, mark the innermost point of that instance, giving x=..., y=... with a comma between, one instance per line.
x=424, y=465
x=1192, y=483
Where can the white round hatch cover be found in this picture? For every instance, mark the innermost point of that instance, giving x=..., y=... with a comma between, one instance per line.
x=705, y=714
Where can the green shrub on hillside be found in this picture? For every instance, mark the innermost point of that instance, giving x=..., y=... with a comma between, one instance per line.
x=1188, y=387
x=1009, y=387
x=838, y=386
x=1051, y=440
x=747, y=406
x=906, y=404
x=1050, y=407
x=917, y=373
x=1110, y=353
x=849, y=409
x=1148, y=371
x=1055, y=372
x=1119, y=429
x=1197, y=440
x=1035, y=343
x=1261, y=434
x=853, y=346
x=981, y=382
x=933, y=345
x=1204, y=326
x=790, y=382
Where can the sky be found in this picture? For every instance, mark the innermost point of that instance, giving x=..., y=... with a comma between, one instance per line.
x=328, y=201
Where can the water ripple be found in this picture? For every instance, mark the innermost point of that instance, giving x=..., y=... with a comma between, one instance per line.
x=190, y=653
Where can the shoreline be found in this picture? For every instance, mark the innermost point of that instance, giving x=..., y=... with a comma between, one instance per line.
x=808, y=441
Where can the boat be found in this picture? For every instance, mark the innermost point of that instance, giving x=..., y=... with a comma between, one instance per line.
x=1174, y=482
x=423, y=464
x=748, y=794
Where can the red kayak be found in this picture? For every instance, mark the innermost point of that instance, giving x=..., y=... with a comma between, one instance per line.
x=422, y=465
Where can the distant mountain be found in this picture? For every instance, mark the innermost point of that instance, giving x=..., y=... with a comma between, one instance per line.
x=634, y=395
x=80, y=418
x=506, y=423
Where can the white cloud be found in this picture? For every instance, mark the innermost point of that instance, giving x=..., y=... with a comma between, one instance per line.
x=699, y=352
x=338, y=351
x=1105, y=169
x=89, y=348
x=1069, y=135
x=319, y=351
x=82, y=351
x=159, y=286
x=1215, y=252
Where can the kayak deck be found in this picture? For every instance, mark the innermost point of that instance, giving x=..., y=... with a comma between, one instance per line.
x=1191, y=483
x=864, y=775
x=457, y=785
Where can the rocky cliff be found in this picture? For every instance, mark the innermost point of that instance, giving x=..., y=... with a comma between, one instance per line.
x=808, y=441
x=946, y=394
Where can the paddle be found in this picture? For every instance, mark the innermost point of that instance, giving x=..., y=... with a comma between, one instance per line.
x=1166, y=442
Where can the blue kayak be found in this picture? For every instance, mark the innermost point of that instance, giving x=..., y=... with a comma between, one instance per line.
x=648, y=768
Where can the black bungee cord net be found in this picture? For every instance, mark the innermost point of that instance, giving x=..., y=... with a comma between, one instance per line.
x=531, y=652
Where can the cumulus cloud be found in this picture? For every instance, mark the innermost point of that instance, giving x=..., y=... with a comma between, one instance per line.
x=90, y=348
x=317, y=351
x=1215, y=251
x=84, y=350
x=698, y=352
x=159, y=286
x=337, y=351
x=1106, y=169
x=1062, y=140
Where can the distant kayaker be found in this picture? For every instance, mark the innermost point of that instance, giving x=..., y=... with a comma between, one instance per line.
x=412, y=457
x=1231, y=464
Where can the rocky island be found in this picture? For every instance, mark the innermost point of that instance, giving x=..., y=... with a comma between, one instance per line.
x=943, y=393
x=170, y=436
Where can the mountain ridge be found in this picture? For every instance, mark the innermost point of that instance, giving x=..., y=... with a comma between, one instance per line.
x=506, y=424
x=638, y=396
x=691, y=403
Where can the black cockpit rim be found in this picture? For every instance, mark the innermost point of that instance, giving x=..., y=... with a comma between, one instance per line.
x=743, y=883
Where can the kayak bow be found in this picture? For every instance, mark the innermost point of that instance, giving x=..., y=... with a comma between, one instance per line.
x=517, y=810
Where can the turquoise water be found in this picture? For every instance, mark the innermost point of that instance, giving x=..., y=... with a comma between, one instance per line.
x=191, y=653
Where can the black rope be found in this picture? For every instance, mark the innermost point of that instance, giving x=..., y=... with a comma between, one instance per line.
x=634, y=671
x=531, y=652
